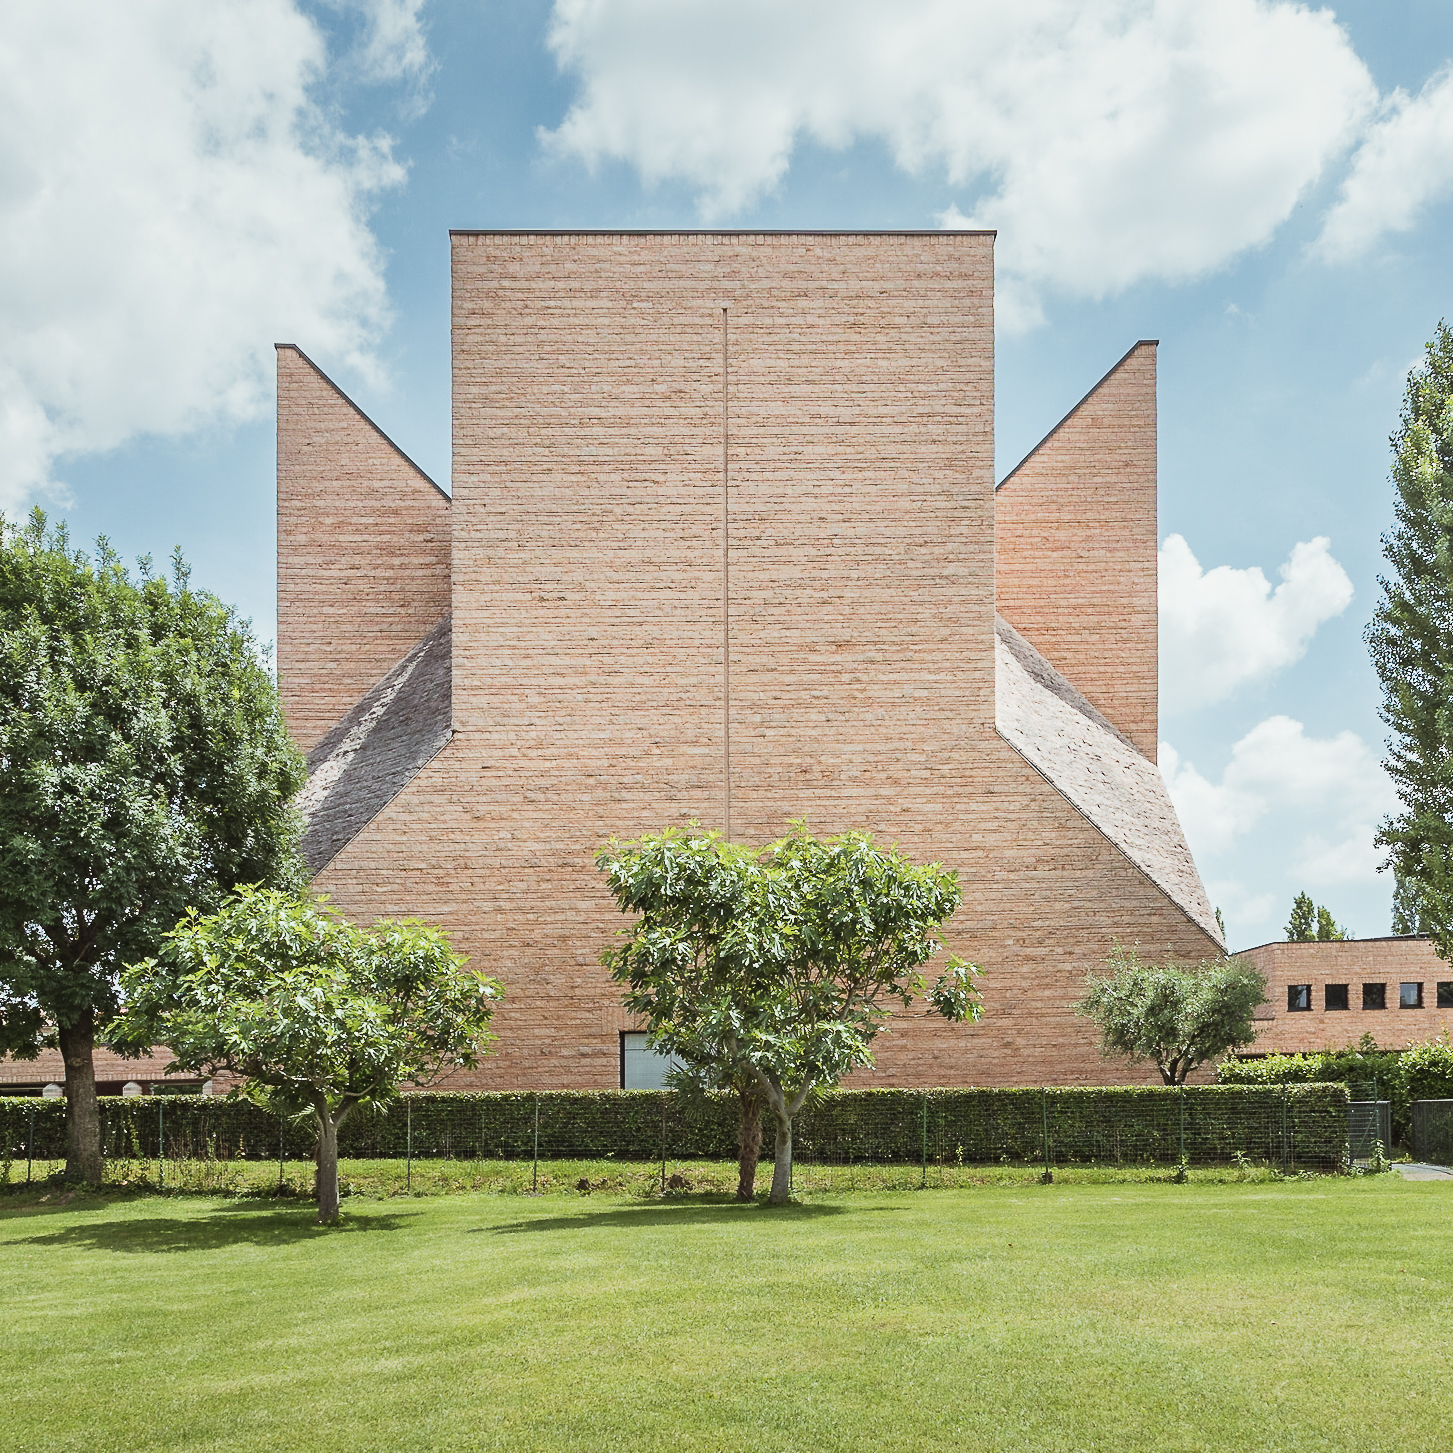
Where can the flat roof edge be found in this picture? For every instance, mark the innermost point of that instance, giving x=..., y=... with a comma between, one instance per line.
x=722, y=232
x=1324, y=942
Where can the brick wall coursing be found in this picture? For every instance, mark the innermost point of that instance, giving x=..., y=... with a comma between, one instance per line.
x=1353, y=962
x=363, y=551
x=587, y=629
x=1075, y=547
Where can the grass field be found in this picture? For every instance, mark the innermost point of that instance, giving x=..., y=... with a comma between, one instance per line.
x=377, y=1178
x=1299, y=1315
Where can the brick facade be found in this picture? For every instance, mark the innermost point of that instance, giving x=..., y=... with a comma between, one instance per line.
x=1352, y=963
x=363, y=550
x=1075, y=542
x=596, y=377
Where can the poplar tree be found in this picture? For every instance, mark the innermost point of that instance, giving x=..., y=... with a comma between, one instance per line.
x=1312, y=923
x=1410, y=640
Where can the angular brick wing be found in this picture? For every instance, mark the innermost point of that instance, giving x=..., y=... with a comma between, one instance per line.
x=1075, y=542
x=362, y=550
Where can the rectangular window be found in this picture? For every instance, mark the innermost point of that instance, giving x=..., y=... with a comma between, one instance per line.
x=1445, y=996
x=1410, y=996
x=1334, y=996
x=1374, y=996
x=1299, y=998
x=641, y=1067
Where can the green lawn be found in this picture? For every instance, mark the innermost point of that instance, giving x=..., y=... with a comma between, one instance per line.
x=1308, y=1314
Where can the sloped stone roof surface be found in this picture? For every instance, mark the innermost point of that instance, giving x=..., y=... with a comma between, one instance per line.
x=1096, y=769
x=370, y=756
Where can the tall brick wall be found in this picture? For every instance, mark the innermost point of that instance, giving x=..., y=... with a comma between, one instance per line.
x=588, y=593
x=363, y=550
x=1353, y=962
x=1075, y=542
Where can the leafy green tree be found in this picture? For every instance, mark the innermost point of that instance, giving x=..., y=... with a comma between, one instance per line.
x=1410, y=640
x=778, y=968
x=1177, y=1016
x=317, y=1014
x=145, y=769
x=1408, y=914
x=1311, y=923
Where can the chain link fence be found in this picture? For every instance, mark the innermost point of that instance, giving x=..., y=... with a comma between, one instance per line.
x=1433, y=1131
x=939, y=1132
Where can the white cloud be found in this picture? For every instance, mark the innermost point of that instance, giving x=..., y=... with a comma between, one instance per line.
x=1245, y=910
x=1221, y=629
x=1404, y=163
x=172, y=202
x=392, y=47
x=1322, y=795
x=1118, y=140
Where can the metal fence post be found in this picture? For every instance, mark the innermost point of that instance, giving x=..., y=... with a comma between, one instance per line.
x=924, y=1182
x=161, y=1144
x=409, y=1143
x=535, y=1174
x=30, y=1148
x=663, y=1142
x=1182, y=1159
x=1285, y=1147
x=280, y=1152
x=1048, y=1177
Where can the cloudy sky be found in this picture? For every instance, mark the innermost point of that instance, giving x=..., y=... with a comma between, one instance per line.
x=1265, y=187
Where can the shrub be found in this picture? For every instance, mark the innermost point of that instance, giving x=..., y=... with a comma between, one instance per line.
x=1356, y=1068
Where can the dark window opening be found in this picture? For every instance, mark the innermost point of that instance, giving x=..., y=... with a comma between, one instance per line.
x=1445, y=996
x=1299, y=998
x=1410, y=996
x=1374, y=996
x=1334, y=996
x=642, y=1068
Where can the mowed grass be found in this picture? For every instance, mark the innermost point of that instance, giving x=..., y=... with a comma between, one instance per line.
x=1300, y=1315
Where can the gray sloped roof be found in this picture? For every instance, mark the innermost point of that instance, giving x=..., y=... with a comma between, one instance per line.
x=1076, y=749
x=368, y=758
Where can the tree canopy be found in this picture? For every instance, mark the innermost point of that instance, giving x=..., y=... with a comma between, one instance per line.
x=1312, y=923
x=317, y=1014
x=1410, y=640
x=1178, y=1016
x=774, y=970
x=145, y=768
x=1408, y=914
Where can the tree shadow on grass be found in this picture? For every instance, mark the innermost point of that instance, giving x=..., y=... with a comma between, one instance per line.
x=226, y=1228
x=696, y=1213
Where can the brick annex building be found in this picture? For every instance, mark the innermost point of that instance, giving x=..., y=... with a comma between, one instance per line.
x=725, y=544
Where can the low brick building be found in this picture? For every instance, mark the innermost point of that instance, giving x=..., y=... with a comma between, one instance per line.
x=725, y=544
x=1328, y=995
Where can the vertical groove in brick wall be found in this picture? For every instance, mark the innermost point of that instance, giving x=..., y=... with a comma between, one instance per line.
x=726, y=598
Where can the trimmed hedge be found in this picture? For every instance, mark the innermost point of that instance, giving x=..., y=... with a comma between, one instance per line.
x=1420, y=1072
x=1301, y=1126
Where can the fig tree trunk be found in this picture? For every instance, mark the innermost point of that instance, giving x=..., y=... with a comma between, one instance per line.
x=83, y=1115
x=749, y=1142
x=782, y=1162
x=327, y=1165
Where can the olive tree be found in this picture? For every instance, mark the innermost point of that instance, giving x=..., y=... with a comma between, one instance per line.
x=1178, y=1016
x=145, y=768
x=314, y=1013
x=776, y=969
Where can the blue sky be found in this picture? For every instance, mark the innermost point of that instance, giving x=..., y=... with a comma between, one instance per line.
x=1266, y=188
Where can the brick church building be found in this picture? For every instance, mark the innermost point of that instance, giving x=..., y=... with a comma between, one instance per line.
x=725, y=544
